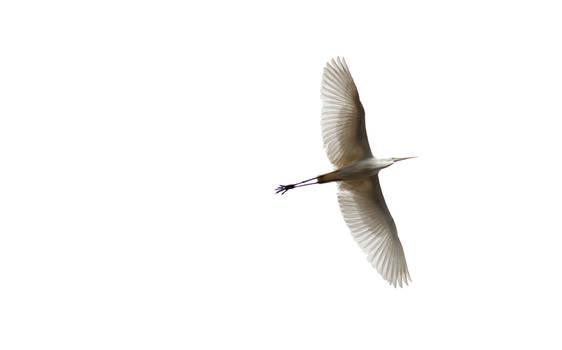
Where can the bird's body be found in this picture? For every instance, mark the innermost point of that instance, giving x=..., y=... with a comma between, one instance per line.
x=359, y=192
x=360, y=169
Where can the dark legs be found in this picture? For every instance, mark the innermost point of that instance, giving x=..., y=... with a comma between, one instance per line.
x=284, y=188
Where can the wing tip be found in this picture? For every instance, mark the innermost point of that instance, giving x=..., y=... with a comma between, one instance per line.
x=401, y=279
x=390, y=263
x=336, y=62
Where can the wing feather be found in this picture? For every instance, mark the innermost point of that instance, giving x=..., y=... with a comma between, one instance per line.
x=343, y=116
x=367, y=216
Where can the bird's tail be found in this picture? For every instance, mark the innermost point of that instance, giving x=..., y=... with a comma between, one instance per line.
x=329, y=177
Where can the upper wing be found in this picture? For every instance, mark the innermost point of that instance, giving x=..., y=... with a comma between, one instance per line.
x=365, y=212
x=343, y=116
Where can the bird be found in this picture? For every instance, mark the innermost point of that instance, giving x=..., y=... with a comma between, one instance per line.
x=356, y=173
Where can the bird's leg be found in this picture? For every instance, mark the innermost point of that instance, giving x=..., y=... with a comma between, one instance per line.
x=284, y=188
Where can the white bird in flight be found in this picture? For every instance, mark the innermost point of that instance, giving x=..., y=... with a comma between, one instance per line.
x=359, y=193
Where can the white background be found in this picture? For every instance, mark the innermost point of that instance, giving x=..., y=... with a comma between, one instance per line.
x=140, y=144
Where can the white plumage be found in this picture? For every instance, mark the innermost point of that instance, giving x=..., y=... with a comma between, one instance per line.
x=359, y=193
x=343, y=117
x=364, y=210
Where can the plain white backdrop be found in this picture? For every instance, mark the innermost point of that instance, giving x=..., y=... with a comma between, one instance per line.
x=141, y=142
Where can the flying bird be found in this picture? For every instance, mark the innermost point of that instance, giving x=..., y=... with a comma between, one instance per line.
x=359, y=192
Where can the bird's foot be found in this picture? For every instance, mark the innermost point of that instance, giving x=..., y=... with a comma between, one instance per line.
x=284, y=188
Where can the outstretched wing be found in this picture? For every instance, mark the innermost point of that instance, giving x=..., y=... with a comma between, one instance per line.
x=367, y=216
x=343, y=116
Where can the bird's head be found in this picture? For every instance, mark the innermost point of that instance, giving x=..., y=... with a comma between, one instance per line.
x=394, y=160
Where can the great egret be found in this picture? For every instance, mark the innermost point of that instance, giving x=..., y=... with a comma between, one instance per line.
x=359, y=193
